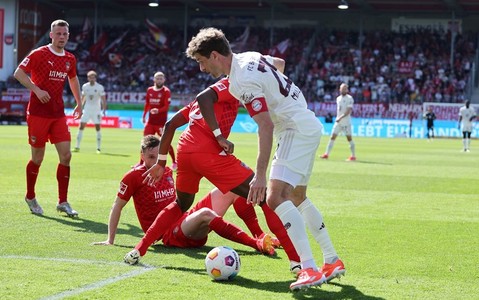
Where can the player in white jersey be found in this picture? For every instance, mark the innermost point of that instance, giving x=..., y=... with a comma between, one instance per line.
x=94, y=107
x=279, y=108
x=344, y=108
x=466, y=115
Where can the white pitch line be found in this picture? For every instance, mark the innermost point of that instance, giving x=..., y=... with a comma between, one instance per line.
x=142, y=269
x=97, y=284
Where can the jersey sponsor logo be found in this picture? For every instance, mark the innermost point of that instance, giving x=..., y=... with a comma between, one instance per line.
x=25, y=61
x=164, y=194
x=123, y=188
x=246, y=98
x=57, y=74
x=256, y=105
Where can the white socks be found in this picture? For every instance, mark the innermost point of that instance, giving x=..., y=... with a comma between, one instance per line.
x=330, y=147
x=98, y=139
x=294, y=224
x=353, y=148
x=79, y=137
x=313, y=218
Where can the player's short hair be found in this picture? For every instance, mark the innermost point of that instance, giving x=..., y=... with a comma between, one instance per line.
x=149, y=141
x=59, y=22
x=91, y=73
x=159, y=74
x=206, y=41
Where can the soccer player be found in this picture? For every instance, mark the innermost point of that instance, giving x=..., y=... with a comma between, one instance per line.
x=430, y=116
x=200, y=155
x=466, y=115
x=94, y=107
x=344, y=107
x=277, y=105
x=49, y=67
x=157, y=103
x=192, y=229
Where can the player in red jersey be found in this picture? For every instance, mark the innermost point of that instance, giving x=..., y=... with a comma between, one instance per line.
x=200, y=155
x=157, y=103
x=192, y=229
x=49, y=66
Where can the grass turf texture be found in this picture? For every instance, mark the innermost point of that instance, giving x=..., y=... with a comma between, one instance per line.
x=404, y=218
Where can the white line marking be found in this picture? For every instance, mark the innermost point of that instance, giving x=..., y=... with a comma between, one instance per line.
x=143, y=268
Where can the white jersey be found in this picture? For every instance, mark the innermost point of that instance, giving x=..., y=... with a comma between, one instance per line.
x=93, y=94
x=466, y=114
x=253, y=78
x=342, y=104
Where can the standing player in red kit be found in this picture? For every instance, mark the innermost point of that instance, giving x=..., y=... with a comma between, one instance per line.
x=49, y=66
x=200, y=155
x=157, y=103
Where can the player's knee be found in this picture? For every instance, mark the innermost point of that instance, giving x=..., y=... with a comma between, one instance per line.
x=206, y=214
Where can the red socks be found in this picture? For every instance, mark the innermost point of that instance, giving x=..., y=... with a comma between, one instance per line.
x=276, y=226
x=63, y=178
x=247, y=213
x=231, y=232
x=165, y=218
x=32, y=174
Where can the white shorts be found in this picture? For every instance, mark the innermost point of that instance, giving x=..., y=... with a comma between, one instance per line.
x=294, y=158
x=94, y=116
x=467, y=127
x=338, y=128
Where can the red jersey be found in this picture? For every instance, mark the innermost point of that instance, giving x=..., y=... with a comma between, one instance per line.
x=160, y=99
x=197, y=137
x=49, y=70
x=148, y=200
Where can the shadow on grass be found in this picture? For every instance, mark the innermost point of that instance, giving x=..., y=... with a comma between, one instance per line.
x=346, y=292
x=85, y=225
x=115, y=154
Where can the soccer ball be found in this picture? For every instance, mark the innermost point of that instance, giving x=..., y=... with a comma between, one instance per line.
x=222, y=263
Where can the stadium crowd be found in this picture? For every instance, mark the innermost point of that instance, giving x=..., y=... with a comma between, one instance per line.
x=386, y=67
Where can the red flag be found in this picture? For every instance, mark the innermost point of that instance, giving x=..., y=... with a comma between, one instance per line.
x=87, y=26
x=280, y=49
x=157, y=33
x=116, y=42
x=95, y=49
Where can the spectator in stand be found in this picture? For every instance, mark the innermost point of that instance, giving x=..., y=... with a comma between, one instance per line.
x=157, y=103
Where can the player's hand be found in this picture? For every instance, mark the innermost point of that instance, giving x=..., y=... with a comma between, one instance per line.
x=104, y=243
x=153, y=174
x=43, y=96
x=77, y=113
x=154, y=111
x=257, y=191
x=228, y=146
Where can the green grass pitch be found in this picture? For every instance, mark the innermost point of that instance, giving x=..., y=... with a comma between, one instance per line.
x=404, y=218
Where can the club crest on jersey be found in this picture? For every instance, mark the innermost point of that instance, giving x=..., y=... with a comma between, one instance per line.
x=256, y=105
x=67, y=65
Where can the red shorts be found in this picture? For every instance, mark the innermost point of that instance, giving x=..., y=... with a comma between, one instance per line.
x=153, y=129
x=224, y=171
x=41, y=130
x=175, y=237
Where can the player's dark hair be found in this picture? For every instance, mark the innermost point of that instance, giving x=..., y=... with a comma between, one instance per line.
x=61, y=23
x=149, y=141
x=208, y=40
